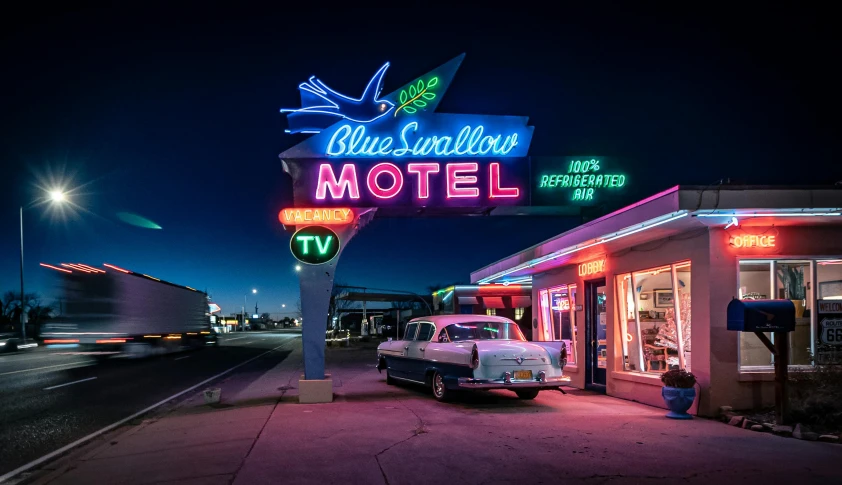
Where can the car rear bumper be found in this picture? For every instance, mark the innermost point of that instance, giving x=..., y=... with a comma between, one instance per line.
x=548, y=383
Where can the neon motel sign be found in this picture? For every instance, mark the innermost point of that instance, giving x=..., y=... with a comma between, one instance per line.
x=395, y=150
x=592, y=267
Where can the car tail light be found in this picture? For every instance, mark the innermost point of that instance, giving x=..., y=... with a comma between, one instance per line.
x=563, y=357
x=474, y=359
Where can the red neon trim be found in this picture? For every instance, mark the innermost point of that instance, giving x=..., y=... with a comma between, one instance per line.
x=115, y=267
x=499, y=287
x=380, y=169
x=62, y=341
x=76, y=267
x=95, y=270
x=112, y=341
x=55, y=267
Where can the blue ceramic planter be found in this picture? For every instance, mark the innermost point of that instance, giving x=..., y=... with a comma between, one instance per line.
x=678, y=401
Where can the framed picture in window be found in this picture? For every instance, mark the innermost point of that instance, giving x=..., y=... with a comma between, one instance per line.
x=663, y=298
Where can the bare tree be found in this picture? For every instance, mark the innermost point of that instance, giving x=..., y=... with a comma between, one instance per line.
x=336, y=303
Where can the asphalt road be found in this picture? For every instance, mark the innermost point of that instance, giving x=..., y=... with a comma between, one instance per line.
x=49, y=399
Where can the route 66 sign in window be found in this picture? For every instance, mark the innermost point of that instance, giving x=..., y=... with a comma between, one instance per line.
x=831, y=331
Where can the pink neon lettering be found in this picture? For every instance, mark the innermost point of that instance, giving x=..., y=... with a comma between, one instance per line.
x=453, y=180
x=380, y=169
x=423, y=170
x=347, y=181
x=494, y=189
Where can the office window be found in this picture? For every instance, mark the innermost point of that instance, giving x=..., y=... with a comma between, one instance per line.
x=654, y=313
x=828, y=335
x=558, y=314
x=780, y=279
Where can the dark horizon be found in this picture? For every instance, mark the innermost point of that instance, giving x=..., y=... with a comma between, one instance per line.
x=172, y=115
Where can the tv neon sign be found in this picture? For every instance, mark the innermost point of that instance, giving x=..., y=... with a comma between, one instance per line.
x=314, y=245
x=753, y=241
x=326, y=217
x=468, y=141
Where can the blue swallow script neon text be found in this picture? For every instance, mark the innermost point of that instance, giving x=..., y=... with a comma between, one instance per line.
x=470, y=141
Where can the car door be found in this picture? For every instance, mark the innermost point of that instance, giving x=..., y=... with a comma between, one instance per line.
x=403, y=365
x=415, y=350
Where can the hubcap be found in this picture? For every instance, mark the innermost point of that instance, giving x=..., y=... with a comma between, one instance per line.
x=438, y=385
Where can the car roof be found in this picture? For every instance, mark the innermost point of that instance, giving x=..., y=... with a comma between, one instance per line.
x=441, y=320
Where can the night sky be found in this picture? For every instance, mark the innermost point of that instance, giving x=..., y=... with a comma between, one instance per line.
x=172, y=114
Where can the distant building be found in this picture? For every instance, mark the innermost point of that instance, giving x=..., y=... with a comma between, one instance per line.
x=510, y=301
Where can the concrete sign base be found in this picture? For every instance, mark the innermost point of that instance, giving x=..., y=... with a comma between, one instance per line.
x=315, y=391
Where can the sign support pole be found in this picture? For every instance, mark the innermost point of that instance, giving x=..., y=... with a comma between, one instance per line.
x=779, y=349
x=316, y=283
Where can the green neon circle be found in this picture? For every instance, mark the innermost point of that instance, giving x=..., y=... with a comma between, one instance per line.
x=314, y=245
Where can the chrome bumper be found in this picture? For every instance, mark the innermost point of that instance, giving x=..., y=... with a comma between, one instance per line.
x=548, y=383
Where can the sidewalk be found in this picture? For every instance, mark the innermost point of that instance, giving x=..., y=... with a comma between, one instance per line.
x=374, y=434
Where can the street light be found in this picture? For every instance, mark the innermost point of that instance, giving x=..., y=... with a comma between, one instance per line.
x=57, y=196
x=297, y=267
x=254, y=292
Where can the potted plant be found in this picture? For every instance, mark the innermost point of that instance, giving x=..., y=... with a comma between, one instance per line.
x=792, y=279
x=679, y=392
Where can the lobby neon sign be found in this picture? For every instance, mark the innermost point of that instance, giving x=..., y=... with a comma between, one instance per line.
x=467, y=141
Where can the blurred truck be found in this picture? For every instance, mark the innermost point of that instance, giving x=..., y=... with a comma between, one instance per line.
x=111, y=310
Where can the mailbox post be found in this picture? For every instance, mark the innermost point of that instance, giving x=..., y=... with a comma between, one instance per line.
x=778, y=317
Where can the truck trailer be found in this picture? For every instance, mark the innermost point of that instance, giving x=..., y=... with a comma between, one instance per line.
x=111, y=310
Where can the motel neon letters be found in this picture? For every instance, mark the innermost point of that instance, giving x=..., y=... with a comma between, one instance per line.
x=385, y=180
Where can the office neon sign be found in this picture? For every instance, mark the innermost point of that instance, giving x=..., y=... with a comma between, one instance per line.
x=753, y=241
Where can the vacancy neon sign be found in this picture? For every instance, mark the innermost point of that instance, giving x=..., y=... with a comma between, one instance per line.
x=420, y=181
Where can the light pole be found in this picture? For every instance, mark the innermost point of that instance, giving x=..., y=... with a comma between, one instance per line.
x=56, y=196
x=254, y=291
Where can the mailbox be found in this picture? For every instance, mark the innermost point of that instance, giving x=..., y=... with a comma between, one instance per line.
x=761, y=315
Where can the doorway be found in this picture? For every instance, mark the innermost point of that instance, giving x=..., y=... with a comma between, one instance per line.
x=596, y=321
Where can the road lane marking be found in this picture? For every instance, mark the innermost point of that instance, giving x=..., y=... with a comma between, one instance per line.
x=69, y=383
x=64, y=449
x=230, y=339
x=48, y=367
x=185, y=357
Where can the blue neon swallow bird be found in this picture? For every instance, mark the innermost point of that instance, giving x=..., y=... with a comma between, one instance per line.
x=322, y=106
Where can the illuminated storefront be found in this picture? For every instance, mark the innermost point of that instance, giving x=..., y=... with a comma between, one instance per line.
x=645, y=289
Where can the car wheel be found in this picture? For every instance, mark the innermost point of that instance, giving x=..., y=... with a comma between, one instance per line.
x=527, y=393
x=440, y=391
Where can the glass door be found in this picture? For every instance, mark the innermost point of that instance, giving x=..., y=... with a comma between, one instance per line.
x=596, y=322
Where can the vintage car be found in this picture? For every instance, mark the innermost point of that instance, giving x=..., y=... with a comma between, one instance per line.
x=471, y=352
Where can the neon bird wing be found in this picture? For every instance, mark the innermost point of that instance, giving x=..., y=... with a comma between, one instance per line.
x=313, y=97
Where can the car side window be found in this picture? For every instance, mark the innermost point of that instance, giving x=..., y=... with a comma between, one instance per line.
x=443, y=337
x=411, y=329
x=426, y=331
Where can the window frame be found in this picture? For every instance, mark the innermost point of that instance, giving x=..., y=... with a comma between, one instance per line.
x=406, y=332
x=418, y=333
x=812, y=296
x=547, y=328
x=622, y=316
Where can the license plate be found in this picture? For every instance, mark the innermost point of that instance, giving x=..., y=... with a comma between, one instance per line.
x=523, y=375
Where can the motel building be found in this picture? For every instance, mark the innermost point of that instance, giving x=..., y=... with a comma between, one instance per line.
x=645, y=289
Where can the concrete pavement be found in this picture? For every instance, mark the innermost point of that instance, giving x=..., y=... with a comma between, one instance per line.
x=374, y=433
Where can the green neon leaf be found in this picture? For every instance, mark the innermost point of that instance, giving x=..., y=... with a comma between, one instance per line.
x=409, y=109
x=402, y=97
x=428, y=95
x=419, y=103
x=433, y=82
x=412, y=91
x=420, y=85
